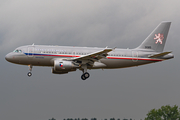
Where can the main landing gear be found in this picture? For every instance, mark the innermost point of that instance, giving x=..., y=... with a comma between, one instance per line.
x=85, y=74
x=30, y=69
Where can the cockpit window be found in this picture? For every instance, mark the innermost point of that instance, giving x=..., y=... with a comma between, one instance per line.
x=17, y=51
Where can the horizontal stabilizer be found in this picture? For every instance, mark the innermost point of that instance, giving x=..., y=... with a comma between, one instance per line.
x=159, y=55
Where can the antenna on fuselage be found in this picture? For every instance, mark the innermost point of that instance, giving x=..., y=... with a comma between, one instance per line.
x=114, y=48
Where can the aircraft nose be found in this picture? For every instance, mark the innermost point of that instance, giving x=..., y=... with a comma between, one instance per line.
x=8, y=57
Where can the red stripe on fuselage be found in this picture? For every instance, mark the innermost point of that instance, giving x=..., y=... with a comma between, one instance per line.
x=146, y=59
x=126, y=58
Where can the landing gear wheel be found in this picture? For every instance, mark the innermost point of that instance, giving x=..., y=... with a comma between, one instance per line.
x=29, y=74
x=85, y=76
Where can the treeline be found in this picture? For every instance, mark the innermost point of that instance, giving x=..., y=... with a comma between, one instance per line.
x=95, y=119
x=91, y=119
x=164, y=113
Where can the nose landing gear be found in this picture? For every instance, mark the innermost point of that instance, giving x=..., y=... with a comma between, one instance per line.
x=30, y=69
x=29, y=74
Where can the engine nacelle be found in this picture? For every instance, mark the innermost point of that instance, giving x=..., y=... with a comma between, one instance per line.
x=61, y=72
x=60, y=65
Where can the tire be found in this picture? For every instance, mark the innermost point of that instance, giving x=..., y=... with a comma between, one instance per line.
x=29, y=74
x=86, y=75
x=83, y=77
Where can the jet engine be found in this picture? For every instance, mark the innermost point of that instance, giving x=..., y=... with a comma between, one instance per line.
x=61, y=72
x=62, y=67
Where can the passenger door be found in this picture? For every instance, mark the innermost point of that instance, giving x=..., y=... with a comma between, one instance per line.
x=31, y=52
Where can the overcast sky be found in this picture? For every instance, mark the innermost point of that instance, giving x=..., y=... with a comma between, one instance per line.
x=119, y=93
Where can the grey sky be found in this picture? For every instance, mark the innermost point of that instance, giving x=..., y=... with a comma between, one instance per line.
x=120, y=93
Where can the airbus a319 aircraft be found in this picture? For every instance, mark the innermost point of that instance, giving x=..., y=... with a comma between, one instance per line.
x=64, y=59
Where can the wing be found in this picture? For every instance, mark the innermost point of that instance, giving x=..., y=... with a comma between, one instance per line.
x=94, y=56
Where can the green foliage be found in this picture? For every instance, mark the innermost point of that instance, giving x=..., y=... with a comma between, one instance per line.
x=93, y=119
x=52, y=119
x=164, y=113
x=112, y=118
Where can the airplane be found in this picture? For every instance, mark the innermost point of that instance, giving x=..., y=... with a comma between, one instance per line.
x=64, y=59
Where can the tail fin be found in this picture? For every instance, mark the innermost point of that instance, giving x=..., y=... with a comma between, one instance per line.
x=157, y=39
